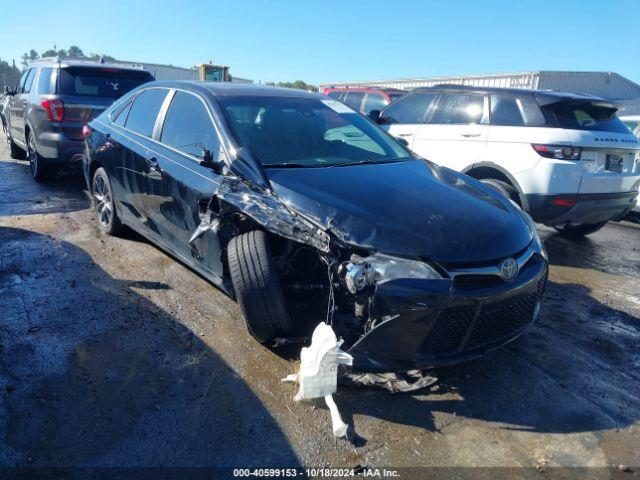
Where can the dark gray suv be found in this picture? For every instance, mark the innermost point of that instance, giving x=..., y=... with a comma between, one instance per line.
x=44, y=115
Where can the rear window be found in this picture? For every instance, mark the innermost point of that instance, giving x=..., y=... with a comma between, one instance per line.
x=585, y=116
x=142, y=114
x=515, y=111
x=100, y=82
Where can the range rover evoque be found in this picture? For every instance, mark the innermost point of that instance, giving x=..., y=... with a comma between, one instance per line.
x=305, y=210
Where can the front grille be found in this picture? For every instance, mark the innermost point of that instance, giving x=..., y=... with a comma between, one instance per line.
x=500, y=320
x=495, y=321
x=450, y=328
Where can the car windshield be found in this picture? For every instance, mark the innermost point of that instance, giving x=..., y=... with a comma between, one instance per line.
x=100, y=82
x=587, y=116
x=307, y=132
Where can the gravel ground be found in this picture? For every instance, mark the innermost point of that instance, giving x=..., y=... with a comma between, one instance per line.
x=114, y=354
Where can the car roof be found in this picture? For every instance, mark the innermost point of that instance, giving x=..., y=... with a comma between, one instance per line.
x=83, y=63
x=362, y=89
x=546, y=96
x=229, y=89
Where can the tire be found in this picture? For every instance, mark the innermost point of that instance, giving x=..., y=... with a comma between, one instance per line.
x=502, y=187
x=104, y=204
x=41, y=170
x=256, y=285
x=15, y=151
x=580, y=230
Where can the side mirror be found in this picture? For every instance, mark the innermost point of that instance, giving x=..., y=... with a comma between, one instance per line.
x=374, y=115
x=206, y=160
x=401, y=141
x=7, y=90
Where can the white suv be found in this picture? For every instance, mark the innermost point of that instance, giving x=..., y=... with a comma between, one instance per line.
x=565, y=158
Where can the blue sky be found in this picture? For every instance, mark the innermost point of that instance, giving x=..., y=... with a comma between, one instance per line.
x=324, y=41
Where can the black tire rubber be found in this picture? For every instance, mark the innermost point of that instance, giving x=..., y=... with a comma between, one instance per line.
x=502, y=187
x=580, y=230
x=41, y=170
x=15, y=151
x=114, y=226
x=257, y=287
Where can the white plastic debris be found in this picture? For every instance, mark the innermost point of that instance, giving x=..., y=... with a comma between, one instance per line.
x=318, y=375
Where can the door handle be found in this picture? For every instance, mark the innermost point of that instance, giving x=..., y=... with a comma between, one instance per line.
x=470, y=134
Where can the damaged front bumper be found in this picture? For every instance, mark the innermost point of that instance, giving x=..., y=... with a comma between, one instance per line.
x=432, y=323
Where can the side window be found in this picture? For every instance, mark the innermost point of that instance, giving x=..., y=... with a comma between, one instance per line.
x=143, y=112
x=335, y=94
x=188, y=128
x=354, y=100
x=459, y=108
x=409, y=109
x=121, y=116
x=21, y=82
x=29, y=82
x=507, y=110
x=47, y=81
x=375, y=101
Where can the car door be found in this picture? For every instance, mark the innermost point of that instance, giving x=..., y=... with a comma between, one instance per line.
x=18, y=105
x=456, y=133
x=180, y=188
x=403, y=118
x=134, y=143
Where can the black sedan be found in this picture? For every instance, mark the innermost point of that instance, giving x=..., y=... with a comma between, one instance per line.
x=306, y=211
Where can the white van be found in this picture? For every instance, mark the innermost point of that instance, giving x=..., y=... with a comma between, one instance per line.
x=565, y=158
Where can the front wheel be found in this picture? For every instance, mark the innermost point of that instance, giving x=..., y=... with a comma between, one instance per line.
x=103, y=203
x=257, y=287
x=579, y=230
x=14, y=150
x=41, y=170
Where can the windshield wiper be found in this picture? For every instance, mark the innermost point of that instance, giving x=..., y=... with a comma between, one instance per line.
x=286, y=165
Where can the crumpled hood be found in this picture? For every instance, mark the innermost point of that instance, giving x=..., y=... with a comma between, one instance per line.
x=404, y=209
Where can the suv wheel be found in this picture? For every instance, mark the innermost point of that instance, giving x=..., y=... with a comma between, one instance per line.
x=580, y=230
x=14, y=150
x=257, y=287
x=502, y=187
x=103, y=203
x=40, y=169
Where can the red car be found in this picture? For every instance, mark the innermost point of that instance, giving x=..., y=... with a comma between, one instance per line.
x=365, y=99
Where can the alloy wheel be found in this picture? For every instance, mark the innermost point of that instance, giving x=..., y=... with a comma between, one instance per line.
x=32, y=156
x=103, y=200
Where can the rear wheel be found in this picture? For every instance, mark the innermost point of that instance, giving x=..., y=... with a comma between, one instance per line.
x=103, y=203
x=41, y=170
x=257, y=287
x=503, y=188
x=580, y=230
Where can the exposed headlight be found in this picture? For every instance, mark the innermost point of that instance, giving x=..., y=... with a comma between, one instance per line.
x=359, y=273
x=537, y=243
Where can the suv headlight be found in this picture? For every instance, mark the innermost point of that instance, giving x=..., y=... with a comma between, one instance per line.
x=359, y=272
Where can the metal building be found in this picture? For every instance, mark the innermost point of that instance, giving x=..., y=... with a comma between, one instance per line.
x=608, y=85
x=169, y=72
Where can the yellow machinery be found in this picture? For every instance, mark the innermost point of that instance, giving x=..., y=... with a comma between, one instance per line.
x=213, y=73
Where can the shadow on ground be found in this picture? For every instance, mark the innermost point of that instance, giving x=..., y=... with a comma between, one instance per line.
x=93, y=374
x=20, y=194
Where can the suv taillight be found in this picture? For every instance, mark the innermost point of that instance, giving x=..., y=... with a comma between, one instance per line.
x=54, y=109
x=86, y=131
x=561, y=152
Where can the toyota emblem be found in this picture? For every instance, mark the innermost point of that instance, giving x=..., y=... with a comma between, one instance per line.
x=508, y=268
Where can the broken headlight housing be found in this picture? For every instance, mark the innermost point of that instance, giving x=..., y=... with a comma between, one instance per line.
x=361, y=272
